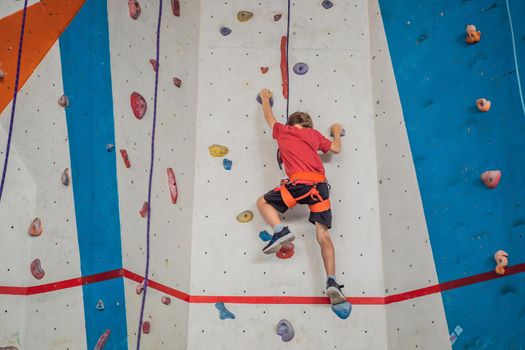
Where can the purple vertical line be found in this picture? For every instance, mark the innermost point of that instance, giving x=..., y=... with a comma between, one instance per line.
x=13, y=106
x=152, y=160
x=288, y=62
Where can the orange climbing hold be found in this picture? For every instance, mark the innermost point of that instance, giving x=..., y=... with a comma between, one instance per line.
x=172, y=182
x=473, y=36
x=138, y=105
x=134, y=9
x=284, y=66
x=36, y=228
x=483, y=105
x=125, y=157
x=502, y=260
x=144, y=209
x=491, y=178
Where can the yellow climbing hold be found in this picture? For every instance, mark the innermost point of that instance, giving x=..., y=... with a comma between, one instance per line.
x=244, y=16
x=218, y=150
x=245, y=216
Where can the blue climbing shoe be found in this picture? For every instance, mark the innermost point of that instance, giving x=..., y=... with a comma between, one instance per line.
x=277, y=240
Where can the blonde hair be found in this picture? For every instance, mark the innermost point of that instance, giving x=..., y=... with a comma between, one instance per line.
x=302, y=119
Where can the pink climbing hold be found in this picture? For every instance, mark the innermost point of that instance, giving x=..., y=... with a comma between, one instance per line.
x=154, y=64
x=102, y=340
x=36, y=269
x=177, y=82
x=134, y=8
x=146, y=327
x=165, y=300
x=36, y=228
x=172, y=182
x=138, y=105
x=63, y=101
x=287, y=251
x=264, y=70
x=491, y=178
x=144, y=209
x=140, y=288
x=175, y=7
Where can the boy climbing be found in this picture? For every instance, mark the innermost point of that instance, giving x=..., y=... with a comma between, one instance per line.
x=299, y=143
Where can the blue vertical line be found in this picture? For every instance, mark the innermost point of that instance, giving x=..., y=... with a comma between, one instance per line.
x=86, y=72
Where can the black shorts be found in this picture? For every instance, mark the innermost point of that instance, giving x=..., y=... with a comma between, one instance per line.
x=275, y=200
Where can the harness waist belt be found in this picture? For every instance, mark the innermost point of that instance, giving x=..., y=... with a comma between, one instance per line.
x=290, y=201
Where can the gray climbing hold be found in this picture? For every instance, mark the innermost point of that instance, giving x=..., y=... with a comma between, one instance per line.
x=285, y=330
x=343, y=133
x=260, y=100
x=225, y=31
x=65, y=177
x=100, y=305
x=327, y=4
x=300, y=68
x=110, y=147
x=223, y=312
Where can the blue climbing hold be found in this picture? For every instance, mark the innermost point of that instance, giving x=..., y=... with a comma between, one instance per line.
x=285, y=330
x=260, y=100
x=327, y=4
x=223, y=312
x=300, y=68
x=342, y=310
x=227, y=164
x=225, y=31
x=265, y=236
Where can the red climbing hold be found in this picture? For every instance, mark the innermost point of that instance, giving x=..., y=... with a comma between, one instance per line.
x=177, y=82
x=491, y=178
x=172, y=182
x=146, y=327
x=134, y=8
x=36, y=269
x=102, y=340
x=175, y=7
x=144, y=209
x=286, y=252
x=277, y=16
x=125, y=157
x=166, y=300
x=154, y=64
x=36, y=228
x=138, y=105
x=284, y=66
x=264, y=70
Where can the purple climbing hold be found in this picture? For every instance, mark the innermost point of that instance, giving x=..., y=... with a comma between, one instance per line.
x=260, y=100
x=227, y=164
x=300, y=68
x=285, y=330
x=225, y=31
x=327, y=4
x=265, y=236
x=224, y=313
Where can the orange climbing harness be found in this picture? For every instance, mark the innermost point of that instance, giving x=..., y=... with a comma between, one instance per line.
x=315, y=178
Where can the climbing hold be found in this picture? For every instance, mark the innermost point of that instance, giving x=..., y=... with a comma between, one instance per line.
x=264, y=70
x=227, y=164
x=134, y=9
x=265, y=236
x=218, y=150
x=285, y=330
x=245, y=216
x=140, y=287
x=36, y=228
x=65, y=177
x=343, y=133
x=342, y=310
x=110, y=147
x=473, y=36
x=286, y=251
x=177, y=82
x=502, y=260
x=327, y=4
x=284, y=65
x=154, y=64
x=36, y=269
x=144, y=210
x=223, y=312
x=165, y=300
x=146, y=326
x=172, y=182
x=138, y=105
x=277, y=16
x=483, y=105
x=125, y=157
x=491, y=178
x=63, y=101
x=100, y=305
x=244, y=16
x=102, y=340
x=175, y=7
x=225, y=31
x=8, y=347
x=260, y=100
x=300, y=68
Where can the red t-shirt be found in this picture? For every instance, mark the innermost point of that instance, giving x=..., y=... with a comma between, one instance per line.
x=299, y=148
